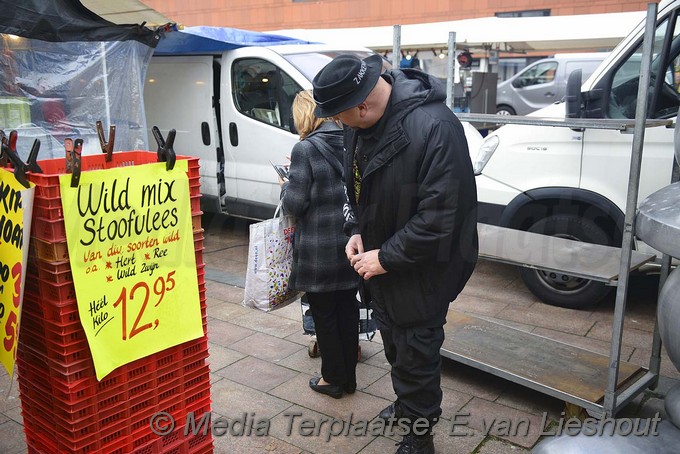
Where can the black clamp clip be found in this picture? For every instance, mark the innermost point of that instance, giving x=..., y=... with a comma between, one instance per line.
x=76, y=162
x=165, y=151
x=107, y=147
x=8, y=151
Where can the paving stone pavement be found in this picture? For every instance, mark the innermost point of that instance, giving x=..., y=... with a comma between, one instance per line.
x=260, y=368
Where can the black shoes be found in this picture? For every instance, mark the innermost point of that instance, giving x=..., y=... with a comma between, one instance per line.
x=335, y=391
x=349, y=389
x=416, y=444
x=392, y=411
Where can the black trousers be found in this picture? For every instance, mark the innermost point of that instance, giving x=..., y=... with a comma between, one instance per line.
x=414, y=354
x=336, y=323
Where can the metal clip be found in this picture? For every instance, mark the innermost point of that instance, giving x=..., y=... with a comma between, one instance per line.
x=9, y=150
x=68, y=148
x=76, y=162
x=107, y=147
x=32, y=162
x=165, y=151
x=4, y=143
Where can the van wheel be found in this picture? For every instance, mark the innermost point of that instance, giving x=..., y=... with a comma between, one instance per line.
x=560, y=289
x=505, y=110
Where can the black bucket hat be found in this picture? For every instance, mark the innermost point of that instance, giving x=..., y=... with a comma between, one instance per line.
x=344, y=83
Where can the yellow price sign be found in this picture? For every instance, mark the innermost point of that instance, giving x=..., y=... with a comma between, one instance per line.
x=131, y=249
x=16, y=208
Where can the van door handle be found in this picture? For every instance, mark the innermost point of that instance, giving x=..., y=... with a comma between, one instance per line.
x=205, y=133
x=233, y=134
x=549, y=94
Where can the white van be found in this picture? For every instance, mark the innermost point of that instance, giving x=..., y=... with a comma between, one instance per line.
x=543, y=82
x=233, y=111
x=573, y=183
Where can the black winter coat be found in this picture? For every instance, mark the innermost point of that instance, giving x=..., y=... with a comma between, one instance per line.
x=417, y=203
x=315, y=195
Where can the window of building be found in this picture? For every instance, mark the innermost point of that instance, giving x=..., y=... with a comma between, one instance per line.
x=529, y=13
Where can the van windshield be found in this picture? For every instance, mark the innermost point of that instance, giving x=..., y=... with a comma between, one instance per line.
x=664, y=95
x=310, y=63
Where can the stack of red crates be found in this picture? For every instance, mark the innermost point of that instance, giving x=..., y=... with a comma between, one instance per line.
x=65, y=408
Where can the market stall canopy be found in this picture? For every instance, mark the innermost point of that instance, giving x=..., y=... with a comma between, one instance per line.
x=65, y=20
x=513, y=34
x=204, y=40
x=126, y=12
x=63, y=67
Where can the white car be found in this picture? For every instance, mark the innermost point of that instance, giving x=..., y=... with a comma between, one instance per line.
x=574, y=183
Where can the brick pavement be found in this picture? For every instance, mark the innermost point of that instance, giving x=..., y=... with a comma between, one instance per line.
x=260, y=367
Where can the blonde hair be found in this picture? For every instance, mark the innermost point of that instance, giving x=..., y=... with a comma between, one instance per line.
x=303, y=114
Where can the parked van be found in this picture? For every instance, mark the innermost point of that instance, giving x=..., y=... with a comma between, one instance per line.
x=574, y=183
x=233, y=111
x=542, y=82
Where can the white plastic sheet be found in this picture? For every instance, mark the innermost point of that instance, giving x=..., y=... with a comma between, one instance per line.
x=53, y=90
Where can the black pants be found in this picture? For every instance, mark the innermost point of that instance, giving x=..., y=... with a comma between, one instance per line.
x=336, y=322
x=414, y=354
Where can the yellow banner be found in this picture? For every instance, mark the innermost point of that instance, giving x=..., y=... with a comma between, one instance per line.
x=131, y=249
x=16, y=208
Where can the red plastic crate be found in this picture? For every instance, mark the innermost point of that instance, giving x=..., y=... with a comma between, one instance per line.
x=55, y=367
x=195, y=346
x=48, y=230
x=199, y=256
x=196, y=220
x=195, y=203
x=63, y=315
x=48, y=208
x=168, y=358
x=167, y=377
x=197, y=381
x=52, y=168
x=64, y=335
x=56, y=277
x=199, y=443
x=198, y=404
x=50, y=251
x=53, y=267
x=57, y=292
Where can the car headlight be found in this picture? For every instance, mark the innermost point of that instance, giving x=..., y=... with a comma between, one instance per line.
x=486, y=150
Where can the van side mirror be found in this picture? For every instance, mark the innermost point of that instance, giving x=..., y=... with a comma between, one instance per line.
x=573, y=97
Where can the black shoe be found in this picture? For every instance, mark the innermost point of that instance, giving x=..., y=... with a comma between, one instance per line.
x=334, y=391
x=349, y=389
x=416, y=444
x=392, y=411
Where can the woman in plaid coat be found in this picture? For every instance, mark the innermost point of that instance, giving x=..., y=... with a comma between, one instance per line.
x=315, y=194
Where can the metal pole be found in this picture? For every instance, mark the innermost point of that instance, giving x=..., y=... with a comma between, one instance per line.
x=451, y=69
x=396, y=46
x=631, y=207
x=105, y=73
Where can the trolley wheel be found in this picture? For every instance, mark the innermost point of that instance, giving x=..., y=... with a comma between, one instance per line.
x=313, y=350
x=359, y=353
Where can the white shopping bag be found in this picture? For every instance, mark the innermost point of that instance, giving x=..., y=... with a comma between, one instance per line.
x=270, y=260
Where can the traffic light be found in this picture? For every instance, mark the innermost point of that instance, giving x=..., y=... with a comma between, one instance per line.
x=464, y=59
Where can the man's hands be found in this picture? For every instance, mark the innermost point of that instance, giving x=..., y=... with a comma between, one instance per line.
x=364, y=263
x=354, y=246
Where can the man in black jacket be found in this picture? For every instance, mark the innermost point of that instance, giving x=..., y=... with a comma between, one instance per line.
x=414, y=238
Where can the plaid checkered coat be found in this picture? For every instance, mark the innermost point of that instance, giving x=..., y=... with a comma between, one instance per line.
x=315, y=195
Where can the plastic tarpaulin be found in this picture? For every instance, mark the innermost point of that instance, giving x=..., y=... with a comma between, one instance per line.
x=65, y=20
x=207, y=40
x=63, y=68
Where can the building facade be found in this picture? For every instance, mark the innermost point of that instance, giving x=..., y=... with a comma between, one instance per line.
x=264, y=15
